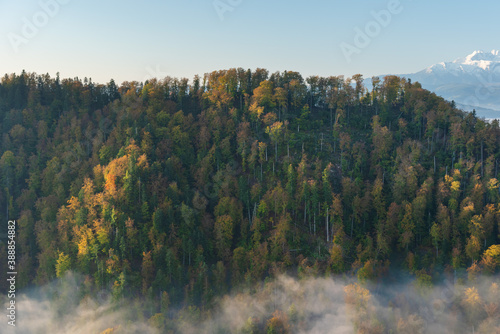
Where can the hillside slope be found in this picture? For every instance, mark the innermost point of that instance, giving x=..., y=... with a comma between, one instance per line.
x=193, y=188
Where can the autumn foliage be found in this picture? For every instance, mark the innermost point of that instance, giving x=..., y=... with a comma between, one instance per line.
x=194, y=188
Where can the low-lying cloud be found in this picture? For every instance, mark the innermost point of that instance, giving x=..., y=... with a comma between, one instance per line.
x=60, y=309
x=282, y=305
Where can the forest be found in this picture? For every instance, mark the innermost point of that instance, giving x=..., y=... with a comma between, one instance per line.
x=177, y=192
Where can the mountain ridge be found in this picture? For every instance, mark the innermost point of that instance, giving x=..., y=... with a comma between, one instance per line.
x=473, y=81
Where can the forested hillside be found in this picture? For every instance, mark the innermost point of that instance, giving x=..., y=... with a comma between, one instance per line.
x=180, y=191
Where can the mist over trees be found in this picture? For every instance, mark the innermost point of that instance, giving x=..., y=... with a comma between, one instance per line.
x=178, y=191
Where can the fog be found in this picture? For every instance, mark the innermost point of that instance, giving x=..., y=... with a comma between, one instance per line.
x=285, y=305
x=337, y=305
x=60, y=309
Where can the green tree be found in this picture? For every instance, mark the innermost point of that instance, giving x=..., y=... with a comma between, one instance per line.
x=275, y=133
x=436, y=237
x=223, y=230
x=63, y=264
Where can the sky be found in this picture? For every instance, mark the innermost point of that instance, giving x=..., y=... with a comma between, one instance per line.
x=136, y=40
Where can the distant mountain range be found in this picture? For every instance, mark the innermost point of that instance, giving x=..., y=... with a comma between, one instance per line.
x=473, y=82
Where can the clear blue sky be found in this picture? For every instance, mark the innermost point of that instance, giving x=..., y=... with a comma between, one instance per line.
x=133, y=40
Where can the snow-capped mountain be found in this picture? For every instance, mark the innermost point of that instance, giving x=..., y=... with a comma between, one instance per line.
x=478, y=67
x=473, y=82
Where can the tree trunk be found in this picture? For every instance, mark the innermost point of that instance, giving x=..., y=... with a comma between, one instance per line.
x=314, y=220
x=305, y=214
x=352, y=224
x=327, y=228
x=482, y=164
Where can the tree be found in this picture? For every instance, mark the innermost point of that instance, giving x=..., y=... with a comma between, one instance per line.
x=406, y=227
x=219, y=92
x=357, y=297
x=262, y=155
x=147, y=271
x=281, y=99
x=491, y=258
x=7, y=165
x=366, y=272
x=63, y=264
x=436, y=237
x=223, y=230
x=243, y=140
x=472, y=304
x=278, y=324
x=263, y=95
x=473, y=248
x=279, y=238
x=379, y=199
x=250, y=326
x=414, y=324
x=275, y=132
x=382, y=142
